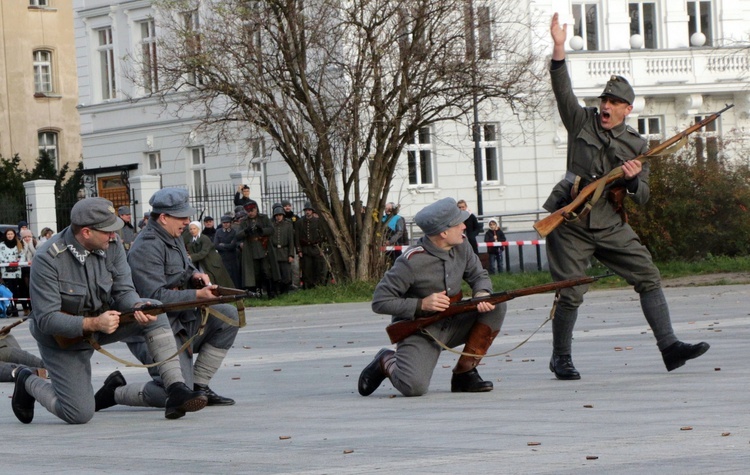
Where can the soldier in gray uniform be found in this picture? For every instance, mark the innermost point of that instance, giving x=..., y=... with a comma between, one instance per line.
x=162, y=270
x=127, y=232
x=310, y=238
x=422, y=281
x=80, y=282
x=599, y=141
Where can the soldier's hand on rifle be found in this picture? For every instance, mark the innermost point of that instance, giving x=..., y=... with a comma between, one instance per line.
x=206, y=292
x=436, y=302
x=631, y=169
x=143, y=318
x=483, y=307
x=107, y=322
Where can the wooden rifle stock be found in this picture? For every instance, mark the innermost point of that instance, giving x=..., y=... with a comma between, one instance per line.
x=546, y=225
x=399, y=330
x=231, y=295
x=7, y=328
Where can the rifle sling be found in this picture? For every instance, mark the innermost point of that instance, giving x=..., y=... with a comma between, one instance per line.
x=205, y=312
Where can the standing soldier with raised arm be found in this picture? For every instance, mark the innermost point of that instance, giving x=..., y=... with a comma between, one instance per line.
x=599, y=141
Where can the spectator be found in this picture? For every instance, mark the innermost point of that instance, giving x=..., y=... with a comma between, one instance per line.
x=27, y=254
x=395, y=231
x=292, y=217
x=495, y=235
x=242, y=196
x=472, y=226
x=45, y=234
x=142, y=224
x=10, y=252
x=208, y=228
x=204, y=256
x=225, y=242
x=259, y=267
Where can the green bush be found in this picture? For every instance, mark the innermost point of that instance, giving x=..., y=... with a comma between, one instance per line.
x=698, y=207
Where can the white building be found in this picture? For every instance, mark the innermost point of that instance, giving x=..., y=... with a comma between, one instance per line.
x=685, y=59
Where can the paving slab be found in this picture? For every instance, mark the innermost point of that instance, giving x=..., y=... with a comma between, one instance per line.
x=294, y=370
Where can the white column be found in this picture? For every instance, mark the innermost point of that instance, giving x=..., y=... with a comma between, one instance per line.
x=144, y=187
x=40, y=197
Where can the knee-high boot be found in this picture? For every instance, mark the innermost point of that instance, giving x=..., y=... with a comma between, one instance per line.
x=465, y=375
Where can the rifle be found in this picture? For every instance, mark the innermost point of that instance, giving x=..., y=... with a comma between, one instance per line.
x=399, y=330
x=7, y=328
x=567, y=213
x=154, y=309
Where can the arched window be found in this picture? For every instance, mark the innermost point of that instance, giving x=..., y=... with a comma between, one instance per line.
x=48, y=143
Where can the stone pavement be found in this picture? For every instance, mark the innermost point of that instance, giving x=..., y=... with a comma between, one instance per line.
x=294, y=372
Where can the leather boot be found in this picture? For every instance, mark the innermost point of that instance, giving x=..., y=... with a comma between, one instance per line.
x=23, y=402
x=105, y=396
x=213, y=398
x=375, y=372
x=480, y=339
x=180, y=399
x=562, y=366
x=470, y=382
x=676, y=354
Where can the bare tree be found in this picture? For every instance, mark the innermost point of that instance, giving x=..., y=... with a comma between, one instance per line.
x=342, y=86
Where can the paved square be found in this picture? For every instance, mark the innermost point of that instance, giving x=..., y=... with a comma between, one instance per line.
x=294, y=372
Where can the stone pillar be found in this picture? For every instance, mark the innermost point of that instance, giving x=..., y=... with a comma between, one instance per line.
x=143, y=187
x=40, y=197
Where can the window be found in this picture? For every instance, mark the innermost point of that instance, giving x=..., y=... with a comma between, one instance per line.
x=488, y=142
x=587, y=24
x=651, y=129
x=707, y=141
x=48, y=144
x=38, y=3
x=148, y=57
x=699, y=20
x=257, y=154
x=478, y=31
x=42, y=72
x=643, y=22
x=198, y=162
x=192, y=44
x=106, y=64
x=153, y=161
x=419, y=155
x=252, y=28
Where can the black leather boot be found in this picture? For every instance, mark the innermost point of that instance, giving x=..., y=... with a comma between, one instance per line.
x=180, y=399
x=105, y=396
x=676, y=354
x=374, y=373
x=470, y=382
x=213, y=398
x=23, y=402
x=562, y=366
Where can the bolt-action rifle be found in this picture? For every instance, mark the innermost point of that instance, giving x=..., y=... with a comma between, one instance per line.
x=595, y=189
x=227, y=295
x=399, y=330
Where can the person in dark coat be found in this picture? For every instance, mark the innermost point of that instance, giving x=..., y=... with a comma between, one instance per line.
x=310, y=239
x=205, y=257
x=495, y=235
x=225, y=242
x=259, y=267
x=208, y=228
x=472, y=226
x=242, y=196
x=282, y=241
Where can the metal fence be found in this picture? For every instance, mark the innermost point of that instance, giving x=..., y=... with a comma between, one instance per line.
x=217, y=200
x=13, y=207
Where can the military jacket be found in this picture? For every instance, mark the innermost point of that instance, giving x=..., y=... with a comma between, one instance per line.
x=67, y=282
x=424, y=270
x=282, y=240
x=592, y=153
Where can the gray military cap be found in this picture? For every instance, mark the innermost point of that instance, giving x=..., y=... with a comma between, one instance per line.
x=172, y=201
x=308, y=205
x=123, y=210
x=96, y=213
x=619, y=88
x=226, y=219
x=278, y=210
x=443, y=214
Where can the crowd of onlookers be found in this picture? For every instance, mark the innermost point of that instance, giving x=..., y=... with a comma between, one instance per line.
x=17, y=249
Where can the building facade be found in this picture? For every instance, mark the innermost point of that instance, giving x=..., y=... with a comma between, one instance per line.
x=684, y=58
x=38, y=82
